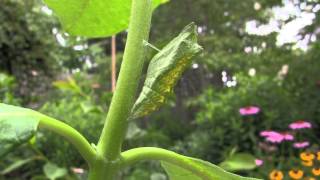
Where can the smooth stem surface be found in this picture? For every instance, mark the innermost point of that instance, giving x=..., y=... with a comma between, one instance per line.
x=115, y=128
x=151, y=153
x=72, y=135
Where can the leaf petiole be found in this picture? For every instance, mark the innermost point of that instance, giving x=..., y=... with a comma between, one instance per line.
x=72, y=135
x=135, y=155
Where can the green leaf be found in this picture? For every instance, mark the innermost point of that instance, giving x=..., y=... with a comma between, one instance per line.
x=93, y=18
x=68, y=85
x=134, y=131
x=165, y=69
x=16, y=165
x=52, y=171
x=158, y=176
x=5, y=80
x=215, y=173
x=39, y=177
x=156, y=3
x=239, y=162
x=88, y=107
x=17, y=125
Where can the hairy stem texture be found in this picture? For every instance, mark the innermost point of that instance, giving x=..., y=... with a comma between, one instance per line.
x=123, y=99
x=110, y=142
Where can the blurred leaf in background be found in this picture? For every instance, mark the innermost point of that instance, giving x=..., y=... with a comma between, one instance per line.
x=239, y=162
x=53, y=172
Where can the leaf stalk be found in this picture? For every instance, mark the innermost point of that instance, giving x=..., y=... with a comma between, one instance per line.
x=135, y=155
x=72, y=135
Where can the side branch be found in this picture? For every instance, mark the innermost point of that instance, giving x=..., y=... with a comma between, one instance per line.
x=72, y=135
x=152, y=153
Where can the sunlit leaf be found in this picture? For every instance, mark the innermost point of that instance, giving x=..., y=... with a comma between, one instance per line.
x=239, y=162
x=158, y=2
x=68, y=85
x=165, y=69
x=213, y=172
x=52, y=171
x=94, y=18
x=5, y=80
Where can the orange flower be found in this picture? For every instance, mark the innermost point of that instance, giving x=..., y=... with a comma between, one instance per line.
x=305, y=156
x=318, y=155
x=307, y=163
x=276, y=175
x=296, y=174
x=316, y=171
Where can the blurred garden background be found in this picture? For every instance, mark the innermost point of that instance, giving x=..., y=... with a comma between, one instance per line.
x=249, y=103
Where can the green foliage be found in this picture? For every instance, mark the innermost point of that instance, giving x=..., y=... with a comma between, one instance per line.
x=96, y=18
x=7, y=86
x=29, y=51
x=214, y=172
x=82, y=108
x=70, y=85
x=16, y=165
x=17, y=125
x=239, y=162
x=164, y=71
x=214, y=126
x=53, y=172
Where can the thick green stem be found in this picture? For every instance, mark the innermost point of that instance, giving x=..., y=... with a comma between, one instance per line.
x=151, y=153
x=114, y=130
x=72, y=135
x=102, y=169
x=110, y=142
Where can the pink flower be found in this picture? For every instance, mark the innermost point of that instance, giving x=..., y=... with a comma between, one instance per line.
x=300, y=145
x=287, y=136
x=276, y=137
x=249, y=110
x=300, y=125
x=268, y=133
x=259, y=162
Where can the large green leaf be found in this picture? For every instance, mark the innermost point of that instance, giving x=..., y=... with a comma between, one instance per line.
x=239, y=162
x=17, y=125
x=214, y=172
x=94, y=18
x=165, y=69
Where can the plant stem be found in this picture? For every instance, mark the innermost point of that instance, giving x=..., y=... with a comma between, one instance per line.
x=72, y=135
x=114, y=130
x=151, y=153
x=113, y=133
